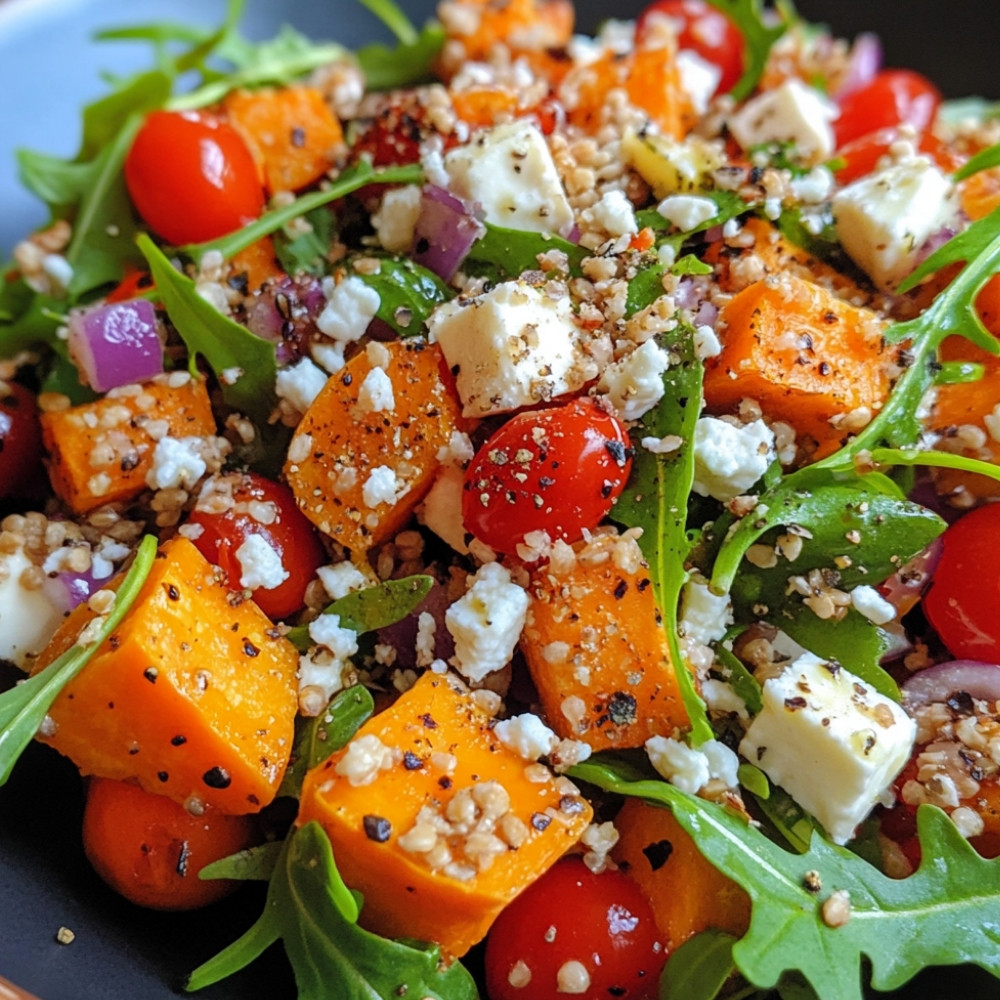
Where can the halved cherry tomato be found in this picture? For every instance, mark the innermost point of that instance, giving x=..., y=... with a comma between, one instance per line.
x=266, y=509
x=557, y=470
x=893, y=97
x=192, y=178
x=964, y=595
x=150, y=849
x=705, y=30
x=572, y=932
x=21, y=472
x=859, y=156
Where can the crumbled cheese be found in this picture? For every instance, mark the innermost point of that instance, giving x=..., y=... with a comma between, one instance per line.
x=177, y=462
x=510, y=347
x=704, y=616
x=831, y=741
x=260, y=564
x=376, y=393
x=526, y=735
x=510, y=172
x=689, y=768
x=340, y=579
x=441, y=510
x=687, y=211
x=614, y=213
x=792, y=112
x=699, y=78
x=486, y=622
x=300, y=383
x=706, y=343
x=635, y=383
x=350, y=306
x=327, y=631
x=381, y=486
x=869, y=602
x=396, y=218
x=27, y=617
x=730, y=458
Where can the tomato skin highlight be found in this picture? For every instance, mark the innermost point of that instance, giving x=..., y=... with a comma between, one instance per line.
x=290, y=534
x=702, y=29
x=558, y=470
x=192, y=178
x=893, y=97
x=150, y=849
x=964, y=594
x=603, y=922
x=21, y=472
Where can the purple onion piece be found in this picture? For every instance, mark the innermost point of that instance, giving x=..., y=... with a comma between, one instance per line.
x=116, y=344
x=863, y=62
x=66, y=590
x=403, y=634
x=284, y=312
x=940, y=682
x=445, y=232
x=904, y=588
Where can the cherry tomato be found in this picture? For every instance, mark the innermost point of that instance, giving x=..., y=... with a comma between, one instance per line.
x=558, y=469
x=893, y=97
x=21, y=472
x=192, y=178
x=705, y=30
x=860, y=156
x=150, y=849
x=595, y=932
x=266, y=509
x=964, y=594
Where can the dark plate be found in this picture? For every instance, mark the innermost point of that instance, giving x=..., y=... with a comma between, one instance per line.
x=48, y=69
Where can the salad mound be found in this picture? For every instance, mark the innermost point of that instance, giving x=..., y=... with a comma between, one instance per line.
x=522, y=496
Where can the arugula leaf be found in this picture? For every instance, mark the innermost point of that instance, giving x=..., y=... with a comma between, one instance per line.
x=408, y=293
x=393, y=18
x=983, y=160
x=758, y=38
x=372, y=608
x=403, y=65
x=24, y=707
x=699, y=968
x=307, y=252
x=255, y=864
x=656, y=499
x=508, y=253
x=315, y=916
x=946, y=913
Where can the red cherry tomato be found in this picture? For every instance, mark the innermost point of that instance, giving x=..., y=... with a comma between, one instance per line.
x=267, y=509
x=192, y=178
x=860, y=156
x=964, y=594
x=21, y=472
x=559, y=470
x=893, y=97
x=703, y=29
x=603, y=924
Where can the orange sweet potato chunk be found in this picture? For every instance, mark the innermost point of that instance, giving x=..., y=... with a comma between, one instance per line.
x=100, y=452
x=688, y=893
x=291, y=131
x=595, y=647
x=342, y=447
x=807, y=357
x=501, y=821
x=191, y=697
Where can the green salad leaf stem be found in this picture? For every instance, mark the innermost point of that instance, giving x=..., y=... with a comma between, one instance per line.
x=759, y=35
x=24, y=707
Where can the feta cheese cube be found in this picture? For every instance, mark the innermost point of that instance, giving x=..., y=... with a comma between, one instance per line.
x=441, y=510
x=687, y=211
x=704, y=616
x=635, y=383
x=396, y=218
x=300, y=384
x=350, y=306
x=510, y=172
x=791, y=112
x=833, y=743
x=28, y=618
x=510, y=347
x=884, y=219
x=730, y=458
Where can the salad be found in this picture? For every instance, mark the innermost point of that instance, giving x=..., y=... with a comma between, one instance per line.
x=518, y=497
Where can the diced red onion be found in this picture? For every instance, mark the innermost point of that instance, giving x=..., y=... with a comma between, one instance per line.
x=445, y=231
x=864, y=61
x=402, y=635
x=707, y=314
x=904, y=588
x=940, y=682
x=285, y=312
x=116, y=344
x=933, y=242
x=66, y=590
x=686, y=294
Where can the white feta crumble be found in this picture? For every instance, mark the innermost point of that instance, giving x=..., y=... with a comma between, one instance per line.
x=870, y=603
x=704, y=616
x=615, y=214
x=328, y=355
x=300, y=384
x=690, y=768
x=706, y=343
x=509, y=170
x=699, y=78
x=526, y=735
x=486, y=622
x=341, y=579
x=687, y=211
x=830, y=740
x=720, y=697
x=441, y=509
x=177, y=463
x=792, y=112
x=327, y=631
x=376, y=393
x=730, y=458
x=510, y=347
x=350, y=306
x=884, y=219
x=381, y=486
x=396, y=218
x=261, y=567
x=635, y=383
x=28, y=618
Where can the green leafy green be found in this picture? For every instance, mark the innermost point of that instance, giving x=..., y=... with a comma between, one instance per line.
x=408, y=293
x=306, y=252
x=393, y=18
x=699, y=968
x=759, y=35
x=508, y=253
x=404, y=64
x=24, y=706
x=255, y=864
x=946, y=913
x=983, y=160
x=656, y=498
x=372, y=608
x=315, y=916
